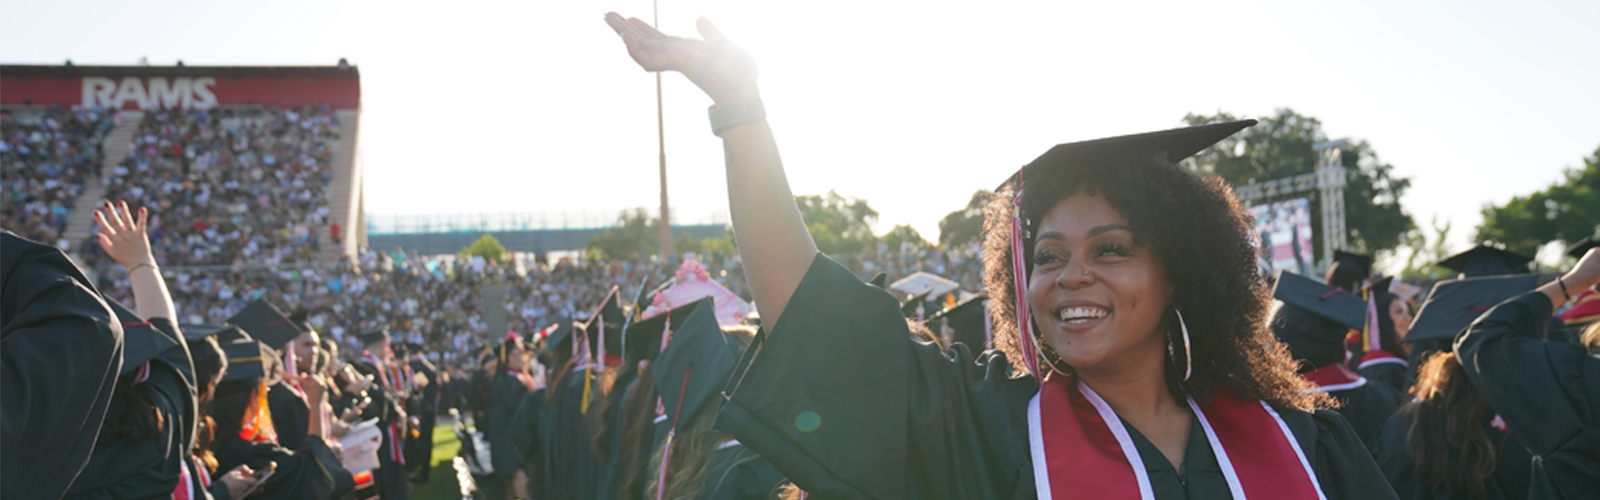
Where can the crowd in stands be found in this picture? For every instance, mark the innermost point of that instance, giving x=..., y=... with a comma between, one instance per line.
x=229, y=186
x=961, y=263
x=46, y=159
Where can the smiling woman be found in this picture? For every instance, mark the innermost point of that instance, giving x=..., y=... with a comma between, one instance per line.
x=1144, y=369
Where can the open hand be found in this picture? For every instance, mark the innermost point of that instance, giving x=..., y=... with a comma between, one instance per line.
x=720, y=68
x=124, y=237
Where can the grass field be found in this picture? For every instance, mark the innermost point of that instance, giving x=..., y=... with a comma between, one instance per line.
x=442, y=481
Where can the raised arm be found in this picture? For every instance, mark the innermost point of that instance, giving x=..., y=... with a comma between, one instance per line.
x=773, y=241
x=126, y=240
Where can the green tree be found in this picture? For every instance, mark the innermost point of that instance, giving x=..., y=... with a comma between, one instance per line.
x=1280, y=146
x=635, y=235
x=487, y=247
x=1568, y=211
x=839, y=225
x=965, y=225
x=1427, y=252
x=901, y=234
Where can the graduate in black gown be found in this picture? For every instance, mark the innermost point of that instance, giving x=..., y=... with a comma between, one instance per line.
x=424, y=405
x=498, y=426
x=204, y=480
x=388, y=394
x=1383, y=358
x=1448, y=443
x=967, y=323
x=146, y=436
x=291, y=413
x=697, y=461
x=1479, y=261
x=1546, y=392
x=1313, y=323
x=571, y=469
x=244, y=432
x=60, y=352
x=1138, y=276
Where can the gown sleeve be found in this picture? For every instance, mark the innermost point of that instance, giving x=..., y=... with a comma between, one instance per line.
x=505, y=396
x=312, y=473
x=843, y=402
x=290, y=415
x=1547, y=392
x=1345, y=469
x=60, y=353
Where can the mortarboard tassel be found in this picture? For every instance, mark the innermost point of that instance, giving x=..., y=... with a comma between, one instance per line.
x=1369, y=337
x=666, y=456
x=1019, y=275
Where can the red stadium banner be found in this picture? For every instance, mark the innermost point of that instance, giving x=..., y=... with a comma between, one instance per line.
x=145, y=87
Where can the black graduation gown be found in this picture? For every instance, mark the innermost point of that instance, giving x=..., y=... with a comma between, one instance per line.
x=1367, y=407
x=1547, y=392
x=149, y=468
x=611, y=471
x=505, y=396
x=425, y=405
x=290, y=415
x=570, y=467
x=1509, y=480
x=1397, y=377
x=388, y=407
x=736, y=473
x=313, y=472
x=525, y=436
x=841, y=401
x=60, y=353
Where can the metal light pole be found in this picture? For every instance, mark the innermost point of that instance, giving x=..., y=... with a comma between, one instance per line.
x=661, y=139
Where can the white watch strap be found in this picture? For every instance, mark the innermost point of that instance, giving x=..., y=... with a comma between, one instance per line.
x=734, y=114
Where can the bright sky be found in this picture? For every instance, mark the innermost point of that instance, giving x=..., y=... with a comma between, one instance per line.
x=535, y=106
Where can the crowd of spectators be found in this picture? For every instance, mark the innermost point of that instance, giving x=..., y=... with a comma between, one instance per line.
x=46, y=159
x=961, y=263
x=230, y=186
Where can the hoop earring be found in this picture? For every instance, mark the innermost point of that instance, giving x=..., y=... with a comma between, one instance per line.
x=1188, y=360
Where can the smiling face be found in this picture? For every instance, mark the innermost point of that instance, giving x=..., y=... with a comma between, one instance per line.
x=1097, y=298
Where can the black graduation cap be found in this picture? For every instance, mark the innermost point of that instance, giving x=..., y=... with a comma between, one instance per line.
x=610, y=315
x=969, y=321
x=1177, y=144
x=1582, y=246
x=1360, y=262
x=1330, y=303
x=880, y=280
x=224, y=332
x=909, y=309
x=700, y=350
x=1483, y=260
x=1453, y=305
x=142, y=340
x=266, y=323
x=373, y=336
x=644, y=336
x=246, y=359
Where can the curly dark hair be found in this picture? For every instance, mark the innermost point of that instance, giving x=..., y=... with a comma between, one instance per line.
x=1205, y=238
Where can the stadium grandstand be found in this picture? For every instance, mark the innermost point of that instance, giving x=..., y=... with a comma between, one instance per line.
x=253, y=179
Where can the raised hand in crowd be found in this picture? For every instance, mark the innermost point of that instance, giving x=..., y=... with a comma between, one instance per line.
x=125, y=238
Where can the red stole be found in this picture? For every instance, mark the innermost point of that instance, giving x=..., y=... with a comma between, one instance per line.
x=1378, y=357
x=1334, y=377
x=1081, y=449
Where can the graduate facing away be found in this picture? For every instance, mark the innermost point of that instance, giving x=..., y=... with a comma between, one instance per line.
x=1132, y=356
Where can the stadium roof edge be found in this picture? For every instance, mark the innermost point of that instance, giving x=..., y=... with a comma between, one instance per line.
x=58, y=70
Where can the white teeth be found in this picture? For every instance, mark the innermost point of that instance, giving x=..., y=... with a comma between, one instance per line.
x=1083, y=313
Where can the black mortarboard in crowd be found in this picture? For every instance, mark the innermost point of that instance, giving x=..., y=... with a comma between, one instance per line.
x=266, y=323
x=909, y=309
x=1483, y=260
x=644, y=336
x=246, y=360
x=373, y=336
x=606, y=325
x=142, y=340
x=1315, y=318
x=1359, y=262
x=1176, y=144
x=1453, y=305
x=879, y=280
x=224, y=332
x=699, y=350
x=969, y=322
